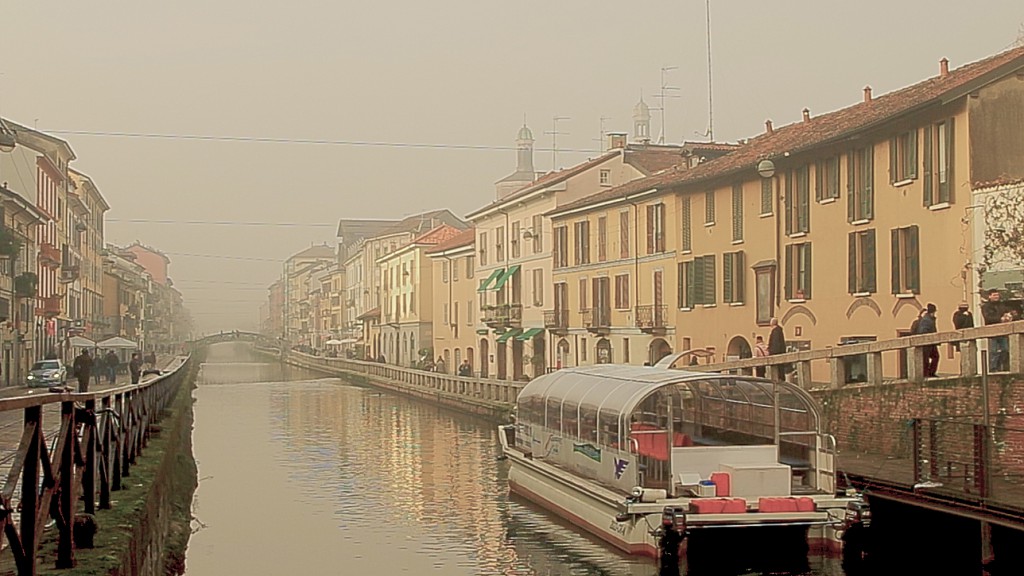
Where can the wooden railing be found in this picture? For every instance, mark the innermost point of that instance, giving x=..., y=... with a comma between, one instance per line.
x=873, y=354
x=502, y=392
x=99, y=437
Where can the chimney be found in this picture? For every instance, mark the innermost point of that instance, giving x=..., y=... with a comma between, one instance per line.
x=807, y=115
x=768, y=126
x=943, y=68
x=867, y=93
x=616, y=140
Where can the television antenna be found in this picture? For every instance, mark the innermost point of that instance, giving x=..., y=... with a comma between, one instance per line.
x=600, y=140
x=666, y=92
x=554, y=139
x=711, y=107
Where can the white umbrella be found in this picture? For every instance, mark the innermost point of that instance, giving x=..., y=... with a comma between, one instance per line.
x=117, y=342
x=333, y=342
x=81, y=342
x=348, y=341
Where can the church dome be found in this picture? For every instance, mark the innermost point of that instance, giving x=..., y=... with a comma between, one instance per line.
x=524, y=133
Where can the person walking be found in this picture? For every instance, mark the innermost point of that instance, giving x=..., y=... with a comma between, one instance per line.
x=962, y=319
x=760, y=351
x=465, y=369
x=440, y=367
x=83, y=369
x=777, y=344
x=135, y=367
x=926, y=325
x=992, y=311
x=110, y=362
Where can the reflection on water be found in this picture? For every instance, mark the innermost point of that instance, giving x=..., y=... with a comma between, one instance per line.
x=300, y=474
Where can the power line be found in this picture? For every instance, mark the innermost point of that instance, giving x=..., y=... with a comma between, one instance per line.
x=222, y=223
x=220, y=282
x=314, y=141
x=226, y=257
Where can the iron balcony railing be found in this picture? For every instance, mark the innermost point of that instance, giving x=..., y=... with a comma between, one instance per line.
x=557, y=319
x=503, y=315
x=595, y=318
x=651, y=316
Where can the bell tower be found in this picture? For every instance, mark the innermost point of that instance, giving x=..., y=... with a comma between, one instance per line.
x=642, y=122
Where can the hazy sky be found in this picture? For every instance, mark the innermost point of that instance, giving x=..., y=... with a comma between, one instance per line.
x=449, y=73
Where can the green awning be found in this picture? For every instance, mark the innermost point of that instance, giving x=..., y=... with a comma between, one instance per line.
x=529, y=334
x=504, y=278
x=508, y=335
x=487, y=281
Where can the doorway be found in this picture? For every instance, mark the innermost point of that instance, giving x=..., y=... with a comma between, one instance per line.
x=562, y=354
x=658, y=349
x=500, y=359
x=484, y=360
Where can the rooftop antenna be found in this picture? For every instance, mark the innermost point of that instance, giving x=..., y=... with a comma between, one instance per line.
x=662, y=96
x=600, y=141
x=554, y=139
x=711, y=108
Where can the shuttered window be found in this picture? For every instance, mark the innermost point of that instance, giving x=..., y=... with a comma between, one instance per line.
x=767, y=198
x=583, y=294
x=826, y=179
x=733, y=276
x=483, y=248
x=798, y=201
x=737, y=213
x=697, y=282
x=560, y=251
x=861, y=263
x=686, y=240
x=906, y=262
x=499, y=244
x=798, y=271
x=602, y=239
x=655, y=228
x=514, y=241
x=624, y=234
x=903, y=157
x=709, y=207
x=938, y=163
x=860, y=178
x=581, y=253
x=622, y=291
x=538, y=286
x=537, y=233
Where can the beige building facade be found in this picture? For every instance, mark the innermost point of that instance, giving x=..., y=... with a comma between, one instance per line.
x=456, y=311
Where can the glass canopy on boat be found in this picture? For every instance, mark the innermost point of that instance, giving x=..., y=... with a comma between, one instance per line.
x=720, y=407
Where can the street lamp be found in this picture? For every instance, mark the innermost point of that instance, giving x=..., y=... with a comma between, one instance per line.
x=766, y=168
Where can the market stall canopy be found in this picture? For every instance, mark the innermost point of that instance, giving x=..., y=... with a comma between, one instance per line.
x=81, y=342
x=117, y=342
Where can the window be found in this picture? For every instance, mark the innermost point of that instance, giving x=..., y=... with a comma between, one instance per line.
x=903, y=157
x=605, y=177
x=826, y=179
x=469, y=313
x=538, y=286
x=455, y=270
x=622, y=292
x=560, y=250
x=733, y=278
x=469, y=266
x=862, y=262
x=655, y=228
x=483, y=248
x=444, y=272
x=709, y=207
x=686, y=241
x=798, y=201
x=514, y=241
x=583, y=294
x=697, y=282
x=537, y=233
x=581, y=236
x=624, y=234
x=938, y=163
x=737, y=213
x=906, y=264
x=583, y=349
x=499, y=244
x=446, y=313
x=625, y=350
x=602, y=239
x=798, y=271
x=860, y=175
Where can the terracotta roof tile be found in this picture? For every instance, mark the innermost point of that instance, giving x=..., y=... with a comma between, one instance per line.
x=439, y=234
x=466, y=237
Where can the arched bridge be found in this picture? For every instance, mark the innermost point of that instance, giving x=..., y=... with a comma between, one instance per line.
x=229, y=336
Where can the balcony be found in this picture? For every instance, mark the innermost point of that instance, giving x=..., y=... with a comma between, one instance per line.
x=503, y=315
x=49, y=256
x=69, y=274
x=597, y=320
x=49, y=307
x=651, y=318
x=557, y=320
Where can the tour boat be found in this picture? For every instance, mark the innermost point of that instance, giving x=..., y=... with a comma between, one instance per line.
x=612, y=447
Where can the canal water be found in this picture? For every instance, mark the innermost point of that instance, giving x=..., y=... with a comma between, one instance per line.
x=301, y=474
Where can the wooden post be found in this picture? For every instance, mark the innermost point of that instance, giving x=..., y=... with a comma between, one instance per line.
x=874, y=362
x=106, y=453
x=89, y=473
x=66, y=501
x=30, y=491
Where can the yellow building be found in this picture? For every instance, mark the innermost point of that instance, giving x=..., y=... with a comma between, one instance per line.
x=406, y=320
x=843, y=226
x=455, y=306
x=88, y=243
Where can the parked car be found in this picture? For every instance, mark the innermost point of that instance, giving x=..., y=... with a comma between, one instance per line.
x=48, y=373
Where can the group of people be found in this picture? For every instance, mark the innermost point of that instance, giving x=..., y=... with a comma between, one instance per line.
x=776, y=345
x=86, y=367
x=439, y=365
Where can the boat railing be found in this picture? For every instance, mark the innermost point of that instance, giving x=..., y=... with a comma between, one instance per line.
x=469, y=387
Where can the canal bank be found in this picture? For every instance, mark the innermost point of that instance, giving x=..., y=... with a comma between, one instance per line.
x=146, y=530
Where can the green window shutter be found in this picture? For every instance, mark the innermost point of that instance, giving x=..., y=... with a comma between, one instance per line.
x=689, y=268
x=789, y=272
x=913, y=261
x=727, y=278
x=926, y=167
x=687, y=239
x=737, y=212
x=807, y=269
x=698, y=281
x=894, y=164
x=833, y=176
x=851, y=264
x=789, y=203
x=766, y=196
x=851, y=181
x=946, y=195
x=912, y=154
x=709, y=280
x=819, y=181
x=804, y=197
x=738, y=276
x=709, y=207
x=896, y=259
x=868, y=184
x=870, y=280
x=680, y=285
